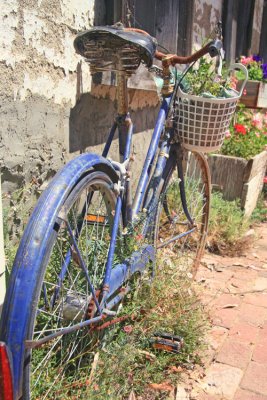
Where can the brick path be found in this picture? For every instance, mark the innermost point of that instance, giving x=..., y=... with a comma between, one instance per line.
x=235, y=293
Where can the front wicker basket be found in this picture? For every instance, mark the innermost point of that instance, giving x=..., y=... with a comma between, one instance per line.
x=202, y=122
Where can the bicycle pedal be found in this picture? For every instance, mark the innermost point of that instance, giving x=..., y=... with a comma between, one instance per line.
x=167, y=342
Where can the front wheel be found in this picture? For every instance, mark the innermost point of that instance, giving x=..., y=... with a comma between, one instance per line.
x=181, y=226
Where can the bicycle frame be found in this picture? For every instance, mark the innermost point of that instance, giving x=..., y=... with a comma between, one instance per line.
x=116, y=277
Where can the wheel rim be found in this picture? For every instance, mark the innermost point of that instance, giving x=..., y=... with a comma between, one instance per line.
x=66, y=299
x=172, y=221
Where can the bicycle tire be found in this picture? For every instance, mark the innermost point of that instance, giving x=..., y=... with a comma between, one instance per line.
x=65, y=311
x=171, y=218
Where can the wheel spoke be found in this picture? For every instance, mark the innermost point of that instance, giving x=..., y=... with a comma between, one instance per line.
x=62, y=342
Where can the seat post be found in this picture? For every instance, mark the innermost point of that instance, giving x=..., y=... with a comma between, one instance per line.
x=122, y=93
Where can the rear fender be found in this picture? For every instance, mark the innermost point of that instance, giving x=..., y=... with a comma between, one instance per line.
x=19, y=301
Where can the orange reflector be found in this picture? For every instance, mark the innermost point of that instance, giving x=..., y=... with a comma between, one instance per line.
x=95, y=218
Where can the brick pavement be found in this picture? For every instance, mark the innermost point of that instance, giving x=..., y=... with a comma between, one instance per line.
x=234, y=290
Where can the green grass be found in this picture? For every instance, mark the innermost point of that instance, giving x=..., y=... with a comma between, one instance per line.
x=227, y=223
x=128, y=361
x=260, y=212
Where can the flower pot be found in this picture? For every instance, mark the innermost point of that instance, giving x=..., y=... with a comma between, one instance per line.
x=256, y=94
x=238, y=178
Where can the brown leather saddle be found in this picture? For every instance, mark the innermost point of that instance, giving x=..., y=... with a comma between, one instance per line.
x=113, y=48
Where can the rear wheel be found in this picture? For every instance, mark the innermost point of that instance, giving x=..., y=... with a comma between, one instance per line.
x=63, y=294
x=181, y=233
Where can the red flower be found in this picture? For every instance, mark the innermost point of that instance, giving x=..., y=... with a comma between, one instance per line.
x=265, y=179
x=240, y=129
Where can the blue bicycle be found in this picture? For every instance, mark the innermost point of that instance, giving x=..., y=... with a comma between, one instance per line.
x=78, y=255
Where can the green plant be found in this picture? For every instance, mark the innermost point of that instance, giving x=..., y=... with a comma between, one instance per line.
x=227, y=224
x=247, y=135
x=124, y=359
x=203, y=80
x=128, y=362
x=257, y=70
x=260, y=212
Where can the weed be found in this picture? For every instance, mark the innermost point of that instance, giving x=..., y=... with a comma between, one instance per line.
x=260, y=212
x=227, y=224
x=128, y=362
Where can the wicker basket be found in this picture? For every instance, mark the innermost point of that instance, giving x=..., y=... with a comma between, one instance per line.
x=202, y=122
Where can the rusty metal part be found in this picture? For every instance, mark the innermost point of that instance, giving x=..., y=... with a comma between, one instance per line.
x=206, y=211
x=91, y=309
x=74, y=256
x=122, y=94
x=113, y=321
x=168, y=81
x=167, y=342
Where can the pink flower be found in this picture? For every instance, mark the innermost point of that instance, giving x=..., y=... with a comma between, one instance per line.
x=233, y=82
x=246, y=60
x=228, y=134
x=265, y=179
x=257, y=120
x=265, y=118
x=257, y=134
x=244, y=92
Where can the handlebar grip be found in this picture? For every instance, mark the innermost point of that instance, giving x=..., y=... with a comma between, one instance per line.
x=215, y=47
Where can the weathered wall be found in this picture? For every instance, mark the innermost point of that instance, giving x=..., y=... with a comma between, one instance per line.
x=39, y=88
x=48, y=113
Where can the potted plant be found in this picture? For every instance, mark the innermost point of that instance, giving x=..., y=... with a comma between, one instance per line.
x=205, y=106
x=239, y=170
x=256, y=87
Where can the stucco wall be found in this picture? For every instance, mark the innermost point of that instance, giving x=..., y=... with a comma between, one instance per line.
x=48, y=113
x=39, y=84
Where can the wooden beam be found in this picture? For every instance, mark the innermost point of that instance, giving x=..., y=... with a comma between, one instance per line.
x=263, y=40
x=229, y=16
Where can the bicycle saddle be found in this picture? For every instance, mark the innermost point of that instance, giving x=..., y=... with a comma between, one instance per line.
x=113, y=48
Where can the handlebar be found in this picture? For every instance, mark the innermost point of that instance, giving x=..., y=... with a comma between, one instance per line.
x=212, y=48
